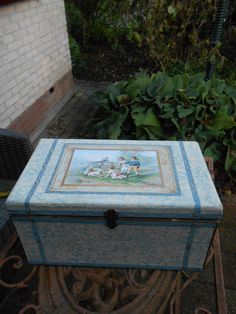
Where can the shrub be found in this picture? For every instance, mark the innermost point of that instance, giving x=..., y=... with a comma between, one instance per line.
x=76, y=60
x=179, y=31
x=180, y=107
x=74, y=19
x=170, y=31
x=118, y=21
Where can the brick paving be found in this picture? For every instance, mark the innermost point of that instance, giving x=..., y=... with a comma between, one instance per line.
x=71, y=120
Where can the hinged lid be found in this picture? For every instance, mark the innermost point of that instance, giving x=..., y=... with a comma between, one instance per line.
x=148, y=179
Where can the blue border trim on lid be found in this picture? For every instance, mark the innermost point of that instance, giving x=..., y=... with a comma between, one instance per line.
x=40, y=174
x=172, y=161
x=197, y=206
x=55, y=169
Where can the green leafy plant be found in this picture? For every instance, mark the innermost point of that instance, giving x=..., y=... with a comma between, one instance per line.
x=120, y=20
x=74, y=19
x=179, y=31
x=76, y=59
x=179, y=107
x=168, y=32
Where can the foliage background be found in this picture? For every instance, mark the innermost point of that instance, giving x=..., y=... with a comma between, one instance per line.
x=177, y=104
x=179, y=107
x=170, y=33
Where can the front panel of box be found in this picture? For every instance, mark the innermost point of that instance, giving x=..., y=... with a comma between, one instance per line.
x=157, y=245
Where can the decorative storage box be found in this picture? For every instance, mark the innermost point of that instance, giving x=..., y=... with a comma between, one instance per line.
x=106, y=203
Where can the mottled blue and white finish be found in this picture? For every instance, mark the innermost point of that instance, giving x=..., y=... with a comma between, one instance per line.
x=60, y=237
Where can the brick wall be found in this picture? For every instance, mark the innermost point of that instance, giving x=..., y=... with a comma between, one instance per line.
x=34, y=54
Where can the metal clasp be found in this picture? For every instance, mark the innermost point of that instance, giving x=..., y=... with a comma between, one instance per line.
x=111, y=217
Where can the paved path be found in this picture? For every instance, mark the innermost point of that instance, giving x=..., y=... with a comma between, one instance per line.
x=70, y=122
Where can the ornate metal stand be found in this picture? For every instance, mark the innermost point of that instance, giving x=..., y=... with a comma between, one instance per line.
x=117, y=291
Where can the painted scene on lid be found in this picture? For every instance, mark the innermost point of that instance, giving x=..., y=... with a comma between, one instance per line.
x=111, y=167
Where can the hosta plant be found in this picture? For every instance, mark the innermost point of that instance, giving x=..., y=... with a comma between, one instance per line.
x=180, y=107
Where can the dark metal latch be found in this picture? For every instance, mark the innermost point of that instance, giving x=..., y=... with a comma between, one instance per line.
x=111, y=217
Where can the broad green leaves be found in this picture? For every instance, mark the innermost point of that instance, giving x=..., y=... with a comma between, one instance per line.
x=138, y=87
x=223, y=121
x=180, y=107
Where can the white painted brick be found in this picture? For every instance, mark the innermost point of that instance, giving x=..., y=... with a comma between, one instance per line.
x=18, y=88
x=10, y=28
x=34, y=53
x=25, y=91
x=2, y=80
x=34, y=4
x=38, y=57
x=3, y=100
x=7, y=86
x=22, y=6
x=2, y=109
x=45, y=11
x=46, y=39
x=31, y=78
x=28, y=66
x=7, y=113
x=21, y=34
x=36, y=90
x=36, y=43
x=3, y=50
x=31, y=54
x=25, y=23
x=29, y=39
x=17, y=44
x=4, y=123
x=5, y=69
x=14, y=73
x=23, y=76
x=30, y=13
x=34, y=28
x=8, y=39
x=36, y=19
x=16, y=17
x=18, y=62
x=10, y=57
x=4, y=20
x=23, y=102
x=35, y=69
x=12, y=100
x=24, y=49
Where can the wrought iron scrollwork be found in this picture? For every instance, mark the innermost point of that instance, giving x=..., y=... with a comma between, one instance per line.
x=75, y=290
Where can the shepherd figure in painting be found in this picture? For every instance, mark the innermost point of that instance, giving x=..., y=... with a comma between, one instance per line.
x=134, y=165
x=124, y=165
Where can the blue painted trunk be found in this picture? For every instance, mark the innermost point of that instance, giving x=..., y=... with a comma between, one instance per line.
x=163, y=204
